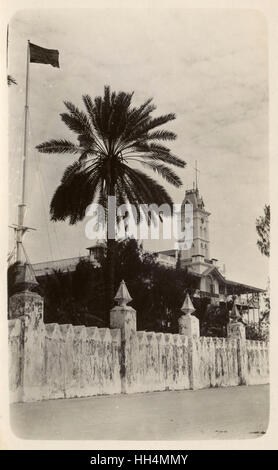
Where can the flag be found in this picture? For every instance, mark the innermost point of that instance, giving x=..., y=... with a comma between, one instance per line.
x=40, y=55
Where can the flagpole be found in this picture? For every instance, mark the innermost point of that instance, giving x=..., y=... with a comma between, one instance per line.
x=22, y=205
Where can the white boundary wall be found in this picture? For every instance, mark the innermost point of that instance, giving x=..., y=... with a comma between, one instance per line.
x=48, y=361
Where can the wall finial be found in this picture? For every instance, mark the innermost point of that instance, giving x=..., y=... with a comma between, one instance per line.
x=187, y=306
x=235, y=315
x=122, y=297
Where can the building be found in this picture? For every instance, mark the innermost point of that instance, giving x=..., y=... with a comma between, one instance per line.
x=211, y=280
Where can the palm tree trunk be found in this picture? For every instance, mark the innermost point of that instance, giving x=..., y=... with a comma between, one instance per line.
x=110, y=283
x=110, y=268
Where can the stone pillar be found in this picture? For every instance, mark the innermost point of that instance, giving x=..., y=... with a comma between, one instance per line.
x=236, y=330
x=189, y=326
x=123, y=317
x=26, y=304
x=15, y=356
x=27, y=308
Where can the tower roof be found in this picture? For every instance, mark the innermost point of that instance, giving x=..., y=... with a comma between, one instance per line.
x=193, y=196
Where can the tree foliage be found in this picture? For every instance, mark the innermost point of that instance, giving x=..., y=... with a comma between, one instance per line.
x=157, y=292
x=112, y=139
x=263, y=231
x=78, y=297
x=213, y=319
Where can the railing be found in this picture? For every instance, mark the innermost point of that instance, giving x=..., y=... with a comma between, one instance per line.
x=208, y=294
x=166, y=260
x=242, y=301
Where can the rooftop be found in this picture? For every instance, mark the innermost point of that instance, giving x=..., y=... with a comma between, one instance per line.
x=63, y=265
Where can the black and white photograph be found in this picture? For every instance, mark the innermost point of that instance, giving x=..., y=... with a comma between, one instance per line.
x=137, y=267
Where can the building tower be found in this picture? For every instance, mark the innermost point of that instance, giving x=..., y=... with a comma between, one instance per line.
x=197, y=257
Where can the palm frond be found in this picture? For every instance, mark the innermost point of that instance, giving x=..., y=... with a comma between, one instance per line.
x=58, y=146
x=159, y=121
x=166, y=173
x=161, y=135
x=151, y=191
x=79, y=115
x=70, y=171
x=77, y=126
x=72, y=198
x=134, y=196
x=167, y=158
x=158, y=151
x=164, y=157
x=149, y=123
x=111, y=134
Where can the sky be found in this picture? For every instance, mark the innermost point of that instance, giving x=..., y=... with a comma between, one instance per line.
x=209, y=67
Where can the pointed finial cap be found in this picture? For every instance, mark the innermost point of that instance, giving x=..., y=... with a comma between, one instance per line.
x=122, y=297
x=187, y=306
x=235, y=315
x=24, y=277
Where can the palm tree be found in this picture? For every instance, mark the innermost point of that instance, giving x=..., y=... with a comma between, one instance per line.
x=112, y=136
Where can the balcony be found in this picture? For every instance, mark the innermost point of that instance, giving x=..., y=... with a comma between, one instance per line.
x=240, y=301
x=166, y=260
x=208, y=294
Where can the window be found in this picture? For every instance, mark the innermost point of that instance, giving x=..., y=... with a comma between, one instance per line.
x=221, y=289
x=210, y=285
